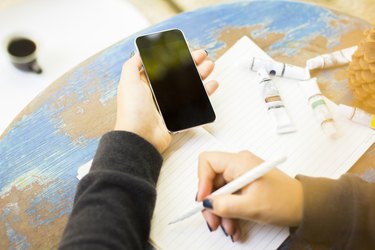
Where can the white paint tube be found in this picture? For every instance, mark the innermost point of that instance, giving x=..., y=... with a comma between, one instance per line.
x=274, y=103
x=337, y=58
x=358, y=115
x=319, y=107
x=273, y=67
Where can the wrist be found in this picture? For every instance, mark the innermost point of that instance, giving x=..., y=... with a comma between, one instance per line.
x=115, y=147
x=159, y=142
x=297, y=207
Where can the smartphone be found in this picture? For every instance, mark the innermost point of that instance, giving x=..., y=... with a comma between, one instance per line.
x=175, y=82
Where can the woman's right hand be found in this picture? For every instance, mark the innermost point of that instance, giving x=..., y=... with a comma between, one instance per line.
x=274, y=198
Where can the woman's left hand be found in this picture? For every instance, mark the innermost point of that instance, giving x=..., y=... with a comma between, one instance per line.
x=136, y=110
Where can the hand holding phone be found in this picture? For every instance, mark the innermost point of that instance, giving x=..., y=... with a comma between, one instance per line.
x=136, y=110
x=175, y=82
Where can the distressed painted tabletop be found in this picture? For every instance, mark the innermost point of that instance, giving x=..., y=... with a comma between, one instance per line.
x=57, y=132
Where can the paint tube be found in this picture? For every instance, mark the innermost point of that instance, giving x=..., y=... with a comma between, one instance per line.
x=319, y=107
x=273, y=67
x=358, y=115
x=274, y=103
x=337, y=58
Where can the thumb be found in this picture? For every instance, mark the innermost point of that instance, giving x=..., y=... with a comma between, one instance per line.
x=227, y=206
x=131, y=68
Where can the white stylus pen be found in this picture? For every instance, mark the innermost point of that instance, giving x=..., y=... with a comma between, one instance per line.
x=236, y=184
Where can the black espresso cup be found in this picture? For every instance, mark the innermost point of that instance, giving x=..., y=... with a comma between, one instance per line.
x=22, y=53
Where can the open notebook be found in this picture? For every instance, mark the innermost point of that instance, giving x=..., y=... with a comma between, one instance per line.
x=243, y=123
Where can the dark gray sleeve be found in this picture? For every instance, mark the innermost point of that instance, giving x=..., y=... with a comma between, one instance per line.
x=114, y=203
x=338, y=214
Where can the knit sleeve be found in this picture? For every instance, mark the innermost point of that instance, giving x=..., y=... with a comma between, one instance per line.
x=114, y=203
x=338, y=213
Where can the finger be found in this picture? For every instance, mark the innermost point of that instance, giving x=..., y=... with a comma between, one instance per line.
x=213, y=221
x=237, y=233
x=231, y=228
x=211, y=87
x=205, y=68
x=219, y=181
x=131, y=68
x=229, y=165
x=210, y=164
x=229, y=206
x=228, y=226
x=199, y=56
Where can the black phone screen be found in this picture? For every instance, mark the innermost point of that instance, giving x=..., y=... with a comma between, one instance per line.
x=175, y=81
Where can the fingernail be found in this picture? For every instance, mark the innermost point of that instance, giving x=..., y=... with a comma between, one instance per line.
x=225, y=232
x=206, y=52
x=231, y=237
x=207, y=203
x=208, y=225
x=196, y=197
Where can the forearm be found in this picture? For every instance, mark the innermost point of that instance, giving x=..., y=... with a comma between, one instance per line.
x=338, y=213
x=114, y=203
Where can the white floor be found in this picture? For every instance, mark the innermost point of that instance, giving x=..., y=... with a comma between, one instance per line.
x=67, y=32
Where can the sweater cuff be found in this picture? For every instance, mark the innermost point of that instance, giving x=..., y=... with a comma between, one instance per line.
x=128, y=153
x=327, y=204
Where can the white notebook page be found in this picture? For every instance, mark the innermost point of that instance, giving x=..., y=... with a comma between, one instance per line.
x=243, y=123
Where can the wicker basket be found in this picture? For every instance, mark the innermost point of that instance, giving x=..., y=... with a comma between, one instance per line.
x=362, y=72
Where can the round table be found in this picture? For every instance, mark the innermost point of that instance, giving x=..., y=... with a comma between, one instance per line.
x=59, y=130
